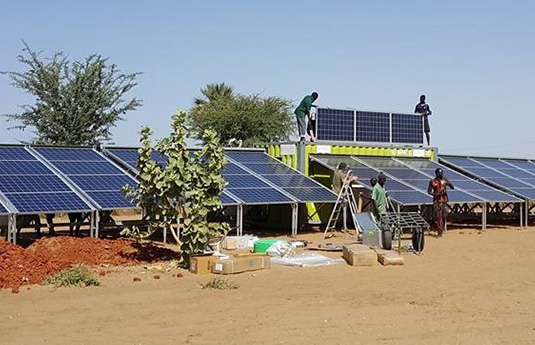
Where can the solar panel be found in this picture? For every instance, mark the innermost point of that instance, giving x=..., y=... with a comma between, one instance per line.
x=31, y=187
x=373, y=126
x=130, y=156
x=3, y=210
x=415, y=178
x=250, y=188
x=524, y=188
x=335, y=124
x=369, y=126
x=92, y=173
x=299, y=186
x=407, y=128
x=461, y=182
x=400, y=192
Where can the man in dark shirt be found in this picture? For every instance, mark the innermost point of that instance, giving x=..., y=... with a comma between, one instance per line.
x=301, y=113
x=422, y=108
x=437, y=188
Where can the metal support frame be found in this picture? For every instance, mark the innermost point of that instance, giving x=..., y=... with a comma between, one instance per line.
x=239, y=220
x=12, y=228
x=295, y=218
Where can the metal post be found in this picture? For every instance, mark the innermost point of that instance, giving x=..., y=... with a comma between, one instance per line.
x=295, y=217
x=301, y=157
x=97, y=223
x=239, y=220
x=12, y=228
x=484, y=216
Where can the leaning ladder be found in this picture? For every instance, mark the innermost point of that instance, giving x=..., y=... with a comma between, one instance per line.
x=345, y=197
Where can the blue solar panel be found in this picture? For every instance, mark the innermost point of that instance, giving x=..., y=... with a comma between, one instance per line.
x=335, y=124
x=130, y=156
x=3, y=210
x=407, y=128
x=15, y=154
x=244, y=181
x=526, y=165
x=277, y=173
x=461, y=182
x=31, y=187
x=94, y=174
x=260, y=195
x=47, y=202
x=415, y=178
x=369, y=126
x=373, y=126
x=398, y=191
x=74, y=154
x=522, y=187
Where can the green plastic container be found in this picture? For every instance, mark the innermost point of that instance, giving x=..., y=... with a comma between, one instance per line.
x=261, y=246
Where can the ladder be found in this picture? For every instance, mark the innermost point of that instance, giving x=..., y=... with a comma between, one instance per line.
x=345, y=197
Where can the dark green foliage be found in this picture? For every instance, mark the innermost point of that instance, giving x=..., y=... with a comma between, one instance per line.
x=75, y=103
x=250, y=119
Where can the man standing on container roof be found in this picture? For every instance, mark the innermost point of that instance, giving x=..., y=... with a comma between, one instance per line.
x=422, y=108
x=302, y=111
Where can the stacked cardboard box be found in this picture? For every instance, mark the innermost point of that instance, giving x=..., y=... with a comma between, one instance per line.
x=359, y=255
x=202, y=264
x=389, y=257
x=241, y=264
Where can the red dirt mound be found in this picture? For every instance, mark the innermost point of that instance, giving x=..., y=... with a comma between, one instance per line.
x=19, y=266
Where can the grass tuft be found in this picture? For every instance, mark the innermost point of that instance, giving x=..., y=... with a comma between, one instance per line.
x=220, y=284
x=76, y=275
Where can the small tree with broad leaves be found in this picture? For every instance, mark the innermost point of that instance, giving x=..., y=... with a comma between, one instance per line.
x=187, y=188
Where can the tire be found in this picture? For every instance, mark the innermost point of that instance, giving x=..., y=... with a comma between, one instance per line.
x=418, y=240
x=387, y=239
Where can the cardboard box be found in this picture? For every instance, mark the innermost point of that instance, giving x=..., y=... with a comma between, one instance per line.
x=241, y=264
x=359, y=255
x=230, y=244
x=387, y=258
x=202, y=264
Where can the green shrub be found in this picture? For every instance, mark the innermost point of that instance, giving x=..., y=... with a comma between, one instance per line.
x=220, y=284
x=76, y=275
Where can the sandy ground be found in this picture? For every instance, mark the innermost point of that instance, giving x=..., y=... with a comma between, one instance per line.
x=466, y=288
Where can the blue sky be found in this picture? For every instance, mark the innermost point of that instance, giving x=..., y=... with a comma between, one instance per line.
x=475, y=60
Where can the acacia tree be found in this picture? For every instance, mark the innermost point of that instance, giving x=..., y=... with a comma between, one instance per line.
x=188, y=187
x=75, y=103
x=250, y=119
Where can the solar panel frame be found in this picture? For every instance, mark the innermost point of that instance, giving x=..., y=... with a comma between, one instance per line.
x=302, y=188
x=494, y=177
x=29, y=186
x=128, y=157
x=102, y=193
x=394, y=167
x=400, y=192
x=460, y=181
x=352, y=125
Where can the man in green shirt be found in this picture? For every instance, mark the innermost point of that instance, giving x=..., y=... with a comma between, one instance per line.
x=302, y=111
x=379, y=194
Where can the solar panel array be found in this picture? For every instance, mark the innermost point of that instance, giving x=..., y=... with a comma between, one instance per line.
x=92, y=173
x=461, y=182
x=415, y=178
x=299, y=186
x=398, y=191
x=250, y=188
x=501, y=173
x=129, y=158
x=254, y=178
x=31, y=187
x=368, y=126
